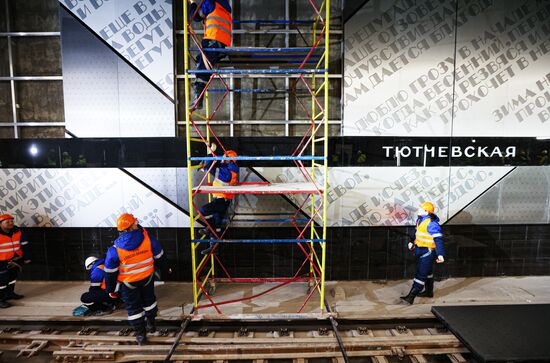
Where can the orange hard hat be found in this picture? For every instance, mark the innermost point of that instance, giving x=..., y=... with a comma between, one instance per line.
x=5, y=217
x=231, y=154
x=125, y=221
x=428, y=207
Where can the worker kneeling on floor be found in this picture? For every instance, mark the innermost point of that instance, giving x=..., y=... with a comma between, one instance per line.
x=427, y=247
x=14, y=252
x=96, y=301
x=131, y=263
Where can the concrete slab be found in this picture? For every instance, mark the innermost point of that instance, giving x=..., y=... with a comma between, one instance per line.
x=350, y=299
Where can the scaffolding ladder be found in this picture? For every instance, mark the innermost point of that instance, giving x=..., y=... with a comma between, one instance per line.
x=309, y=157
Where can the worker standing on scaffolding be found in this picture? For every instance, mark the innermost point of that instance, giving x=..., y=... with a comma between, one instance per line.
x=216, y=210
x=427, y=248
x=216, y=15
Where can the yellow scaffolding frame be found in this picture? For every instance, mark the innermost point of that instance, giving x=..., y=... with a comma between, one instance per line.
x=199, y=285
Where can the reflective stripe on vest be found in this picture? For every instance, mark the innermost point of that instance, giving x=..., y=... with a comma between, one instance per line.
x=217, y=183
x=423, y=238
x=137, y=264
x=217, y=25
x=10, y=246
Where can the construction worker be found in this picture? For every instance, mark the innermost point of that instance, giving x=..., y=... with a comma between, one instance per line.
x=427, y=247
x=14, y=252
x=215, y=211
x=95, y=301
x=131, y=263
x=216, y=15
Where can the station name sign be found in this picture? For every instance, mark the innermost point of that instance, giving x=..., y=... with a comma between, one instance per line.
x=454, y=151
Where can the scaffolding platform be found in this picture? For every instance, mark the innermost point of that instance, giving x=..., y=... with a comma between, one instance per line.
x=271, y=188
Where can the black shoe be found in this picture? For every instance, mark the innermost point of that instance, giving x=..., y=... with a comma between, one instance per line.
x=207, y=250
x=141, y=339
x=204, y=231
x=151, y=326
x=141, y=335
x=426, y=293
x=14, y=296
x=409, y=298
x=4, y=304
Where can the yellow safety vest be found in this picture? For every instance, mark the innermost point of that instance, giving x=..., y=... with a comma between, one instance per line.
x=423, y=238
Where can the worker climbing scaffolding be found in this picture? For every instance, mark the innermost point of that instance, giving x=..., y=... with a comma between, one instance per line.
x=220, y=183
x=225, y=172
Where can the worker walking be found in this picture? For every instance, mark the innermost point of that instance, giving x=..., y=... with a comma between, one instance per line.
x=14, y=252
x=225, y=173
x=427, y=247
x=131, y=263
x=216, y=15
x=96, y=301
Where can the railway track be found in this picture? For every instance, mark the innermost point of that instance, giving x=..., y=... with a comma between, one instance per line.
x=296, y=341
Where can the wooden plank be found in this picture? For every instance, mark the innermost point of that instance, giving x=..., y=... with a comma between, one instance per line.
x=456, y=358
x=379, y=359
x=418, y=358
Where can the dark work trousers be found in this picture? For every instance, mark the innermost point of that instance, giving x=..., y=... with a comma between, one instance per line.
x=97, y=299
x=213, y=58
x=216, y=211
x=140, y=301
x=8, y=278
x=425, y=259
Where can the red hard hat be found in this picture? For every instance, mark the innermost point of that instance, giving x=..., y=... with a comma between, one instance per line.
x=125, y=221
x=5, y=217
x=231, y=154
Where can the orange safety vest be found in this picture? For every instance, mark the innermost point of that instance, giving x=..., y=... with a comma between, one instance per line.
x=137, y=264
x=217, y=25
x=217, y=182
x=10, y=246
x=103, y=285
x=423, y=238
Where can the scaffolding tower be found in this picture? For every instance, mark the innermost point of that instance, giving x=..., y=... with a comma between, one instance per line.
x=310, y=65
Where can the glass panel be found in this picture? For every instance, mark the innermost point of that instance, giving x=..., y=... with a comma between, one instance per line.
x=34, y=15
x=256, y=102
x=45, y=49
x=5, y=102
x=41, y=132
x=6, y=133
x=4, y=58
x=40, y=101
x=3, y=16
x=259, y=130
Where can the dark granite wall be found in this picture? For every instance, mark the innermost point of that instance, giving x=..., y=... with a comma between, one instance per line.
x=376, y=253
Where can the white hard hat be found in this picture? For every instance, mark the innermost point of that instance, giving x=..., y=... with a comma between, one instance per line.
x=89, y=262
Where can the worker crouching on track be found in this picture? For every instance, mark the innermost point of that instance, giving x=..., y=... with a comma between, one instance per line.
x=427, y=247
x=216, y=210
x=131, y=262
x=96, y=301
x=14, y=252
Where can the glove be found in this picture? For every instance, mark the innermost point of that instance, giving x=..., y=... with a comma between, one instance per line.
x=440, y=259
x=113, y=295
x=213, y=148
x=410, y=246
x=26, y=262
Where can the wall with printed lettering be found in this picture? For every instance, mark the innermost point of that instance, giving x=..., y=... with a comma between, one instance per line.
x=448, y=68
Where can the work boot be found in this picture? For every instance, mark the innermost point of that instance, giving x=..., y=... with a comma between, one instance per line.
x=151, y=325
x=198, y=87
x=14, y=296
x=428, y=289
x=409, y=298
x=141, y=335
x=210, y=248
x=4, y=304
